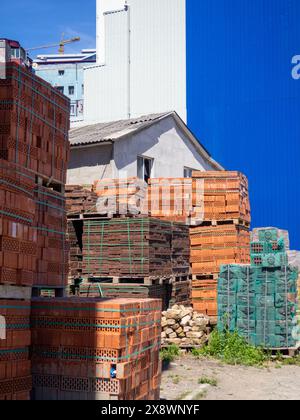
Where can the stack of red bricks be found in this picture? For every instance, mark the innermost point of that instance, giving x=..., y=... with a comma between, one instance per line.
x=223, y=237
x=53, y=248
x=34, y=151
x=18, y=238
x=129, y=247
x=89, y=349
x=15, y=339
x=80, y=199
x=34, y=124
x=75, y=230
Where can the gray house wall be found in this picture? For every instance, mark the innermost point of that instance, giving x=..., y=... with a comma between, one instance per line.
x=164, y=142
x=87, y=164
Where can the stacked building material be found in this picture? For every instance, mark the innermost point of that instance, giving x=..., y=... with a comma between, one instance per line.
x=269, y=234
x=34, y=150
x=15, y=339
x=177, y=292
x=34, y=137
x=80, y=200
x=212, y=246
x=126, y=290
x=53, y=248
x=34, y=124
x=180, y=292
x=96, y=349
x=18, y=248
x=225, y=196
x=260, y=301
x=133, y=247
x=204, y=297
x=121, y=196
x=184, y=327
x=223, y=237
x=170, y=199
x=180, y=249
x=75, y=230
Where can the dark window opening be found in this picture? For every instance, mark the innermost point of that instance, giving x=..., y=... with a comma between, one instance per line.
x=145, y=166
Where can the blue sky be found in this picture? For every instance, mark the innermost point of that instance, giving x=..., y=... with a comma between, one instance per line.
x=37, y=22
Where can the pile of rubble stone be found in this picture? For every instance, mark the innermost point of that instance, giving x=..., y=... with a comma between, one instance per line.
x=184, y=327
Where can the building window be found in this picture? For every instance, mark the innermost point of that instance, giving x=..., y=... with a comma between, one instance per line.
x=61, y=89
x=187, y=172
x=71, y=90
x=73, y=110
x=144, y=168
x=61, y=72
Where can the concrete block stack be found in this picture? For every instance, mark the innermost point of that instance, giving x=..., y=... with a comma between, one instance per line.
x=90, y=349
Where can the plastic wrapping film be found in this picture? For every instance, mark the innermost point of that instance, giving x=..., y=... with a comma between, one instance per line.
x=270, y=233
x=259, y=303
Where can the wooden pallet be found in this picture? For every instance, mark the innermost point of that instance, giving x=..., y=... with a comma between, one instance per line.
x=97, y=216
x=179, y=279
x=239, y=222
x=284, y=352
x=211, y=276
x=132, y=280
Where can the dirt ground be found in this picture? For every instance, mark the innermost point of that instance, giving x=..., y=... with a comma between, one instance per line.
x=182, y=380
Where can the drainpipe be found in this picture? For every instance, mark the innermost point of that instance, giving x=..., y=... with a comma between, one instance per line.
x=127, y=9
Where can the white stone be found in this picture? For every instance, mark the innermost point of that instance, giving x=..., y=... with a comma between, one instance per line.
x=184, y=322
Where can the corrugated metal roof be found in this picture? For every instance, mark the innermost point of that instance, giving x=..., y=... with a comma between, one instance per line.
x=104, y=132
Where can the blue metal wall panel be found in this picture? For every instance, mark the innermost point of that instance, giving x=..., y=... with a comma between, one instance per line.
x=243, y=102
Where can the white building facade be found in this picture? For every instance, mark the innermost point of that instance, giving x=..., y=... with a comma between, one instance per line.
x=141, y=60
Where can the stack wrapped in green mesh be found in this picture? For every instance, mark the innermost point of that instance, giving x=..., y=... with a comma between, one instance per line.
x=259, y=303
x=269, y=251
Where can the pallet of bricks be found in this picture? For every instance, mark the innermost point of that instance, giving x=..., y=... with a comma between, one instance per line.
x=260, y=300
x=75, y=230
x=15, y=339
x=223, y=235
x=128, y=291
x=34, y=137
x=91, y=349
x=34, y=148
x=139, y=250
x=18, y=251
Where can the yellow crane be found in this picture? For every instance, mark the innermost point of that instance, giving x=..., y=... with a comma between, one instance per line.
x=61, y=45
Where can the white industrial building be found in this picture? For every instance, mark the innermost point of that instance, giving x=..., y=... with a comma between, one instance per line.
x=155, y=146
x=141, y=60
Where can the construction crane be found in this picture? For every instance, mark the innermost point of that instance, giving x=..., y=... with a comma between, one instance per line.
x=61, y=45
